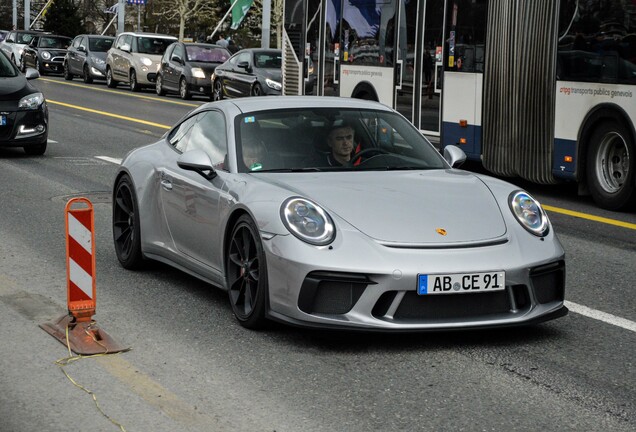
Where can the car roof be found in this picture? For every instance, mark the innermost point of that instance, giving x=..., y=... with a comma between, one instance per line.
x=265, y=103
x=144, y=34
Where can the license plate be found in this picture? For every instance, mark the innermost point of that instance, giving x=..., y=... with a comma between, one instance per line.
x=460, y=283
x=3, y=120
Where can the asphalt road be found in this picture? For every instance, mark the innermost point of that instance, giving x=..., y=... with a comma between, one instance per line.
x=193, y=368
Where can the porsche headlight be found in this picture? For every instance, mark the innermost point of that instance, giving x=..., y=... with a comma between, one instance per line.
x=198, y=73
x=529, y=213
x=146, y=61
x=273, y=84
x=32, y=101
x=46, y=55
x=308, y=221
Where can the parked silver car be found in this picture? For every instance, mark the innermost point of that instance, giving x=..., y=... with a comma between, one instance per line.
x=135, y=58
x=86, y=57
x=256, y=196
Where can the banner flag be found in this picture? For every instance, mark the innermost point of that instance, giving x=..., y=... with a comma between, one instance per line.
x=239, y=10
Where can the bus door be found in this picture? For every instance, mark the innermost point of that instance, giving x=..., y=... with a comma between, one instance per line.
x=329, y=70
x=431, y=66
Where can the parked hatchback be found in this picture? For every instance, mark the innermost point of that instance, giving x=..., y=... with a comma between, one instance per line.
x=134, y=59
x=86, y=57
x=45, y=53
x=186, y=68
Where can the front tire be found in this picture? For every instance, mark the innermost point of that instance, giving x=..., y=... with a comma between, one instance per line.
x=87, y=76
x=247, y=274
x=611, y=162
x=257, y=90
x=134, y=85
x=68, y=76
x=184, y=91
x=110, y=81
x=159, y=86
x=35, y=150
x=217, y=91
x=126, y=229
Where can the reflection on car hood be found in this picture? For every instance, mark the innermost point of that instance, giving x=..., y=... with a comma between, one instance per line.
x=273, y=74
x=14, y=88
x=405, y=207
x=208, y=67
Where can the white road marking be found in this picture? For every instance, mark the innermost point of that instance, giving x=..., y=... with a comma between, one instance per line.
x=50, y=141
x=601, y=316
x=115, y=161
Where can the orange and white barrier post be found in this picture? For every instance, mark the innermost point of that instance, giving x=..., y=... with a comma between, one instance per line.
x=77, y=328
x=80, y=259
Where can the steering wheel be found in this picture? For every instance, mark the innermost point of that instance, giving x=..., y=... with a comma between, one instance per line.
x=366, y=153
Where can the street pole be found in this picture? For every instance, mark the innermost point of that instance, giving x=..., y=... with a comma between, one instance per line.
x=267, y=13
x=15, y=14
x=121, y=14
x=27, y=14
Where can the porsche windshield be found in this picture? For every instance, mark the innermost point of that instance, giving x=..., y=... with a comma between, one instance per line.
x=327, y=139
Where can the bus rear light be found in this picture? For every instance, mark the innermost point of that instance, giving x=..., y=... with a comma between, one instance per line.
x=568, y=159
x=462, y=141
x=463, y=123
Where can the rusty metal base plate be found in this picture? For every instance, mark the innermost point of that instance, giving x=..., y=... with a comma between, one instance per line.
x=84, y=338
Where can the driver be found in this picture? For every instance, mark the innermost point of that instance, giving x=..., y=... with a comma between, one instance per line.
x=341, y=142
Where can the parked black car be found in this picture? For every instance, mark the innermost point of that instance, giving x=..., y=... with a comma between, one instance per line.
x=24, y=117
x=86, y=57
x=45, y=53
x=187, y=68
x=249, y=72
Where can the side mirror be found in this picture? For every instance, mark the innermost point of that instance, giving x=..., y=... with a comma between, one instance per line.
x=31, y=73
x=81, y=48
x=125, y=47
x=10, y=40
x=197, y=161
x=454, y=156
x=176, y=59
x=243, y=65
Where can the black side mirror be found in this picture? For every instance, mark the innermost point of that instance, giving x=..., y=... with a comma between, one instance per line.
x=244, y=65
x=197, y=161
x=176, y=59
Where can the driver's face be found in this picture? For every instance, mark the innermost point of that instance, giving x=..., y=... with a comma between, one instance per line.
x=341, y=142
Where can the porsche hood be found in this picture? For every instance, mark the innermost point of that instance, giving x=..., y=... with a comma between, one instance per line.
x=416, y=207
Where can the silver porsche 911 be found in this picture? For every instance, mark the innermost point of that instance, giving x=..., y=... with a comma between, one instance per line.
x=336, y=213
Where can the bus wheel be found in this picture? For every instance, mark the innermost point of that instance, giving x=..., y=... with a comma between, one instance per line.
x=611, y=162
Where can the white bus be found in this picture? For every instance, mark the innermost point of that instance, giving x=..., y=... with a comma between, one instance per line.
x=540, y=89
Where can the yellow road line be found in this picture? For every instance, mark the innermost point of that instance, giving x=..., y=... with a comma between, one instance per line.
x=129, y=94
x=591, y=217
x=104, y=113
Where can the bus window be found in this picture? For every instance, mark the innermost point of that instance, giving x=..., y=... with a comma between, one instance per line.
x=368, y=32
x=465, y=35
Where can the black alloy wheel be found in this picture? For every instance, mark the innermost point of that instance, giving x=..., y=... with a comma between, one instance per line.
x=247, y=274
x=126, y=229
x=184, y=91
x=88, y=79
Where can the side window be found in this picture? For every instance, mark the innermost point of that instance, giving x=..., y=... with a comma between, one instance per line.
x=244, y=57
x=208, y=134
x=119, y=42
x=77, y=42
x=178, y=51
x=178, y=138
x=168, y=54
x=128, y=40
x=11, y=37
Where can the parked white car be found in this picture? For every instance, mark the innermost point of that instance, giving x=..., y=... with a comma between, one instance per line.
x=134, y=59
x=13, y=45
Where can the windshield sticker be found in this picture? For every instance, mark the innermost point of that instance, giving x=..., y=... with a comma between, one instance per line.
x=249, y=119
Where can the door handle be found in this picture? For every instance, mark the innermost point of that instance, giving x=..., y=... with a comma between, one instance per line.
x=166, y=184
